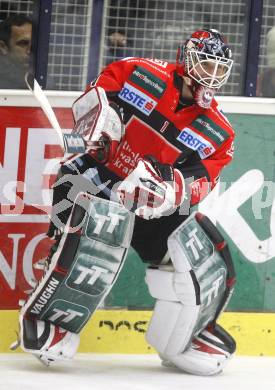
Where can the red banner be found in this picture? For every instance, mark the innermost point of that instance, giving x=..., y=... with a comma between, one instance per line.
x=29, y=160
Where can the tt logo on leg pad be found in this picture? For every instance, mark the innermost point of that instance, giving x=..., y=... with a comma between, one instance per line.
x=94, y=273
x=112, y=219
x=68, y=315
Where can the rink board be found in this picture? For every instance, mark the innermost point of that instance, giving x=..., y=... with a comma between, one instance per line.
x=242, y=205
x=122, y=331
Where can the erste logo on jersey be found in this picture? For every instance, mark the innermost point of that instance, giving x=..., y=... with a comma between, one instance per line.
x=138, y=99
x=195, y=142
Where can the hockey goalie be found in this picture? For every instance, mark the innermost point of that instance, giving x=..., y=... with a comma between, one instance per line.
x=154, y=145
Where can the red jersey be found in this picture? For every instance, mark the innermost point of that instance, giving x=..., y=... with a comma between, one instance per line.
x=197, y=141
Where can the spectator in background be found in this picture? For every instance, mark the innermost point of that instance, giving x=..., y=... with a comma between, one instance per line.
x=124, y=15
x=146, y=29
x=15, y=49
x=266, y=82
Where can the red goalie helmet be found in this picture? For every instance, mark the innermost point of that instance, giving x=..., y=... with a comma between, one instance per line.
x=205, y=58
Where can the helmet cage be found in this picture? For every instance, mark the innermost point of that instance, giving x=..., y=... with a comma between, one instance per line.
x=207, y=69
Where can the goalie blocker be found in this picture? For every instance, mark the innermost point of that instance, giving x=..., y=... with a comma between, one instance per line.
x=190, y=295
x=81, y=272
x=98, y=127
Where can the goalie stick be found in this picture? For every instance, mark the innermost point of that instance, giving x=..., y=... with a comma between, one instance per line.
x=70, y=143
x=45, y=105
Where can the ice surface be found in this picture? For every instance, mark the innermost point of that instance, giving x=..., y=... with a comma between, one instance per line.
x=131, y=372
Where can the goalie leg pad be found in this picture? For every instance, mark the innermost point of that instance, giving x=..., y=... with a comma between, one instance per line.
x=84, y=267
x=86, y=264
x=190, y=294
x=172, y=323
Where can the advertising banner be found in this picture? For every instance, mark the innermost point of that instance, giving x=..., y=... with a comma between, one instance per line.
x=29, y=160
x=242, y=206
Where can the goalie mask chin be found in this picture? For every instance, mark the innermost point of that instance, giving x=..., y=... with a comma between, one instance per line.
x=202, y=95
x=205, y=63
